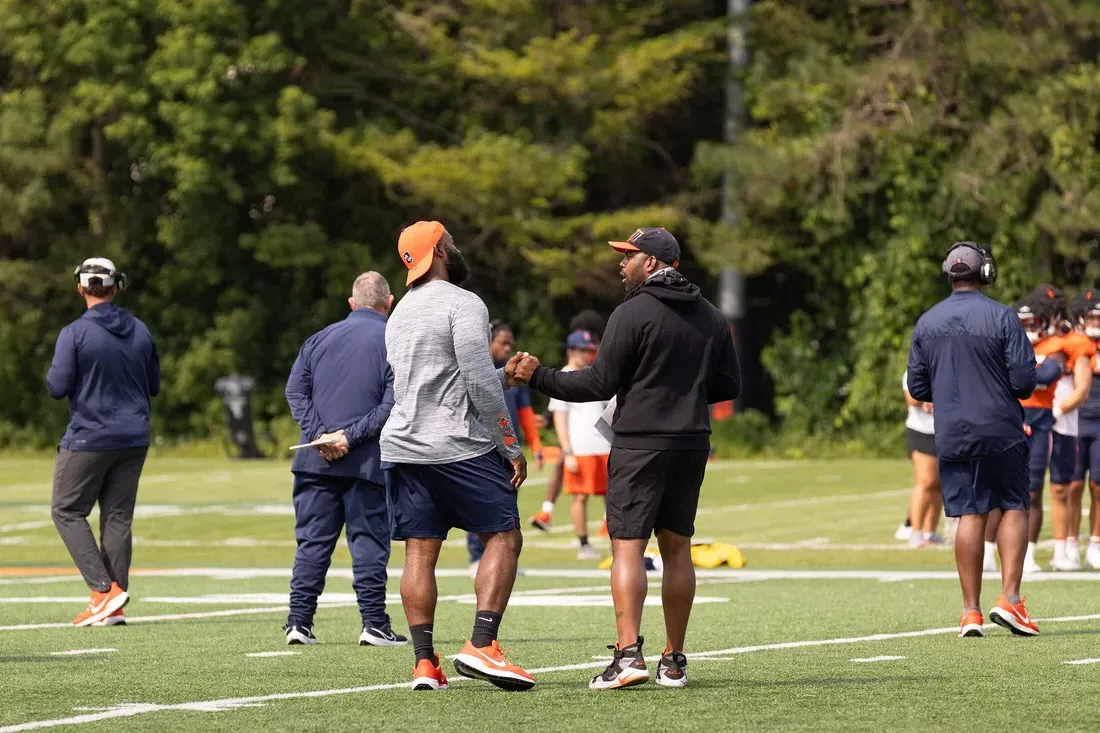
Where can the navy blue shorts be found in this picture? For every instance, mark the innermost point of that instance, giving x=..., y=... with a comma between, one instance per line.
x=1063, y=458
x=1039, y=447
x=985, y=484
x=1088, y=451
x=476, y=495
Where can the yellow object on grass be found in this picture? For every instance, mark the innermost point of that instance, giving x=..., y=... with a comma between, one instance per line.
x=708, y=556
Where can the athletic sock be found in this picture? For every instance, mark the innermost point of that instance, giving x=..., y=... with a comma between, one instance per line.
x=1059, y=549
x=972, y=608
x=908, y=523
x=423, y=642
x=548, y=507
x=1071, y=547
x=1014, y=600
x=486, y=626
x=1030, y=554
x=990, y=549
x=1094, y=540
x=583, y=540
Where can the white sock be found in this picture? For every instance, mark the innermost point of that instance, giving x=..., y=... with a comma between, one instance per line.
x=1094, y=541
x=1059, y=549
x=548, y=507
x=1071, y=546
x=990, y=549
x=1030, y=554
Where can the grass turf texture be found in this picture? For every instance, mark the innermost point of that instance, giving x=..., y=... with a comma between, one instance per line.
x=827, y=516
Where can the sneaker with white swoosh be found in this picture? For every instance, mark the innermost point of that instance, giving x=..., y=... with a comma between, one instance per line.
x=488, y=663
x=1013, y=617
x=102, y=604
x=626, y=669
x=381, y=635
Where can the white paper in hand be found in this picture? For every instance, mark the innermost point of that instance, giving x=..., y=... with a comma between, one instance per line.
x=603, y=425
x=314, y=444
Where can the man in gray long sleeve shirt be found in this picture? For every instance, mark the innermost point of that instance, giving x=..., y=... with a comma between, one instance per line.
x=447, y=448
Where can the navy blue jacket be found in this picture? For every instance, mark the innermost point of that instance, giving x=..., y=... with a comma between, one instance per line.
x=970, y=357
x=106, y=364
x=341, y=379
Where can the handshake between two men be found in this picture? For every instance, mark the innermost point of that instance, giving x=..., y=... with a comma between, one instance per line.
x=520, y=368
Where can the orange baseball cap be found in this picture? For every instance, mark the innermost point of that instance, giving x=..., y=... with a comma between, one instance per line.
x=416, y=245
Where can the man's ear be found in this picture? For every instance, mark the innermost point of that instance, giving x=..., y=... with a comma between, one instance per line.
x=351, y=303
x=389, y=303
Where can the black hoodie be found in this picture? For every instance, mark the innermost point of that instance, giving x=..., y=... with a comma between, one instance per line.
x=106, y=364
x=668, y=355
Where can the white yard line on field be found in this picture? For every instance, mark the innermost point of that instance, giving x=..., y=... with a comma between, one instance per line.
x=1084, y=661
x=127, y=710
x=877, y=659
x=273, y=654
x=77, y=652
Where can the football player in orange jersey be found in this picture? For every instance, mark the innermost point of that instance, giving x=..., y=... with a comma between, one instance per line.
x=1038, y=312
x=1070, y=393
x=1087, y=317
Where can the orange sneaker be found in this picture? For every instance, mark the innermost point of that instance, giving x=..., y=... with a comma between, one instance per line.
x=101, y=605
x=428, y=676
x=115, y=619
x=972, y=624
x=488, y=663
x=602, y=532
x=541, y=521
x=1013, y=618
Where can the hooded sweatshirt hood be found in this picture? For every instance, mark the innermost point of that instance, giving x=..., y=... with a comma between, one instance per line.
x=113, y=319
x=670, y=287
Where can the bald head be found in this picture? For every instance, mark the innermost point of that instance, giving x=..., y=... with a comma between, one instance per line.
x=371, y=290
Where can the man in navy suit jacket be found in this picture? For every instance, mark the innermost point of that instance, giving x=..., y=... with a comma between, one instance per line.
x=341, y=389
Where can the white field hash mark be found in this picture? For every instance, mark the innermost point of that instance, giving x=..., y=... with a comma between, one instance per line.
x=127, y=710
x=1083, y=661
x=76, y=652
x=273, y=654
x=876, y=659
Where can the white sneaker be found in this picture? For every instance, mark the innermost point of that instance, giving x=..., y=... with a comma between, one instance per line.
x=1062, y=563
x=1031, y=567
x=903, y=532
x=1092, y=557
x=588, y=552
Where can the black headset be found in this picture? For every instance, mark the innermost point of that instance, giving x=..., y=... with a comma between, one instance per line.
x=987, y=272
x=120, y=279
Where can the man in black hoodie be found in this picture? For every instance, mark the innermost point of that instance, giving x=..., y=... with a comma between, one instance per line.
x=666, y=356
x=105, y=363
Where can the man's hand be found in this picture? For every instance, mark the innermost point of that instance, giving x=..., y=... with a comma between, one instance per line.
x=571, y=463
x=538, y=461
x=526, y=368
x=511, y=366
x=1058, y=412
x=519, y=468
x=926, y=407
x=339, y=449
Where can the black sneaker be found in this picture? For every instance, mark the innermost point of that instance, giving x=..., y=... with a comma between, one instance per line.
x=626, y=670
x=299, y=634
x=672, y=670
x=380, y=635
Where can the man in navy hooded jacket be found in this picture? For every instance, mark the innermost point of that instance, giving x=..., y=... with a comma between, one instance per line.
x=971, y=358
x=341, y=389
x=105, y=363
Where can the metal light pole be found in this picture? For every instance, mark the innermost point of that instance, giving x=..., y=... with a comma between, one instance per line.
x=731, y=282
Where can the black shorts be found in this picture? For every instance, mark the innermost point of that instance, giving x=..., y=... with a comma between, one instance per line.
x=650, y=490
x=919, y=442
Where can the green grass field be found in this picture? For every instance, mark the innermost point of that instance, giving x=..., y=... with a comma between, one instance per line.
x=775, y=646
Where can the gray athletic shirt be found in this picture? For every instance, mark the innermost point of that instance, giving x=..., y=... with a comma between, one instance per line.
x=448, y=399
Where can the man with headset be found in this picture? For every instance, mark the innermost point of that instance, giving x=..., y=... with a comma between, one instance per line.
x=971, y=358
x=105, y=363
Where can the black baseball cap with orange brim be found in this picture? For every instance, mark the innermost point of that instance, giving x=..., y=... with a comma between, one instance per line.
x=654, y=241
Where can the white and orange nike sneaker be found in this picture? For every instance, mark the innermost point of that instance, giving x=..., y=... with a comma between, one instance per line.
x=542, y=520
x=101, y=605
x=972, y=624
x=428, y=676
x=488, y=663
x=1013, y=617
x=118, y=618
